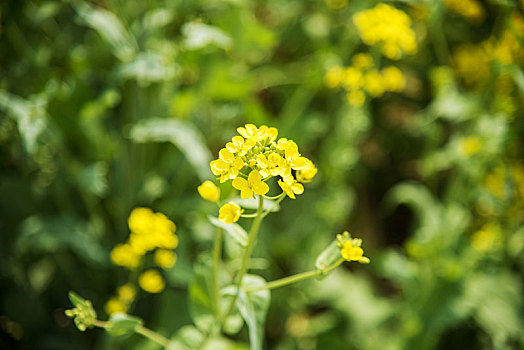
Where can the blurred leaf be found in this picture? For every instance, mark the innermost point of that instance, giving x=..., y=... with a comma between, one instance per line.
x=122, y=324
x=29, y=115
x=201, y=301
x=234, y=230
x=148, y=67
x=187, y=337
x=51, y=235
x=199, y=35
x=253, y=308
x=183, y=135
x=109, y=27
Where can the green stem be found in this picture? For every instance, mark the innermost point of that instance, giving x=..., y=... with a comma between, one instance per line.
x=217, y=252
x=146, y=332
x=294, y=278
x=157, y=338
x=282, y=196
x=247, y=253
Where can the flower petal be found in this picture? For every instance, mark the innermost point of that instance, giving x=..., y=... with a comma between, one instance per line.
x=240, y=183
x=260, y=188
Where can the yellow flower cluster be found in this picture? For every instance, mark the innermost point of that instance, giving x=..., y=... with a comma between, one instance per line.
x=363, y=78
x=350, y=248
x=389, y=27
x=151, y=281
x=123, y=299
x=472, y=62
x=252, y=158
x=470, y=9
x=149, y=231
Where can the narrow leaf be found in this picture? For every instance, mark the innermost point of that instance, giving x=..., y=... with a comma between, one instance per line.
x=234, y=230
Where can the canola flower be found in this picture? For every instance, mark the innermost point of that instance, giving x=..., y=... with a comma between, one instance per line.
x=362, y=79
x=469, y=9
x=250, y=160
x=388, y=27
x=151, y=281
x=209, y=191
x=351, y=248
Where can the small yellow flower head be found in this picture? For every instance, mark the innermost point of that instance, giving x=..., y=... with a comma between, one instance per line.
x=209, y=191
x=291, y=187
x=165, y=258
x=83, y=314
x=151, y=281
x=470, y=145
x=230, y=213
x=373, y=83
x=227, y=165
x=470, y=9
x=140, y=220
x=308, y=173
x=126, y=293
x=350, y=248
x=362, y=60
x=388, y=27
x=125, y=255
x=356, y=98
x=393, y=79
x=114, y=306
x=253, y=185
x=334, y=77
x=486, y=238
x=353, y=78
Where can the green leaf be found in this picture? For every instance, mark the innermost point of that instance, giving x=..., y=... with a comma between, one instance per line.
x=122, y=324
x=253, y=308
x=199, y=35
x=183, y=135
x=201, y=302
x=328, y=257
x=77, y=300
x=234, y=230
x=110, y=29
x=187, y=337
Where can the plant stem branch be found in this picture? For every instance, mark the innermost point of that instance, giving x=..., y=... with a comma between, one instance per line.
x=151, y=335
x=294, y=278
x=217, y=253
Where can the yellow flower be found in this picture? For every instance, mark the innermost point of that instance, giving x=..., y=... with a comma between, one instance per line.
x=362, y=60
x=230, y=213
x=351, y=251
x=124, y=255
x=253, y=184
x=151, y=281
x=353, y=78
x=227, y=165
x=470, y=9
x=486, y=238
x=126, y=293
x=290, y=186
x=114, y=305
x=269, y=166
x=165, y=258
x=209, y=191
x=356, y=98
x=334, y=77
x=249, y=131
x=140, y=220
x=393, y=79
x=291, y=154
x=389, y=27
x=470, y=145
x=238, y=146
x=308, y=173
x=267, y=133
x=373, y=83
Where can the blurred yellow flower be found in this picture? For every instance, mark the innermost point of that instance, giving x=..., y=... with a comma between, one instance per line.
x=388, y=27
x=209, y=191
x=124, y=255
x=253, y=184
x=362, y=60
x=393, y=79
x=356, y=98
x=230, y=213
x=126, y=293
x=470, y=145
x=114, y=305
x=140, y=220
x=486, y=238
x=334, y=76
x=165, y=258
x=470, y=9
x=151, y=281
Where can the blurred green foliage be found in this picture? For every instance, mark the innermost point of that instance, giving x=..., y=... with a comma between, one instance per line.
x=107, y=105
